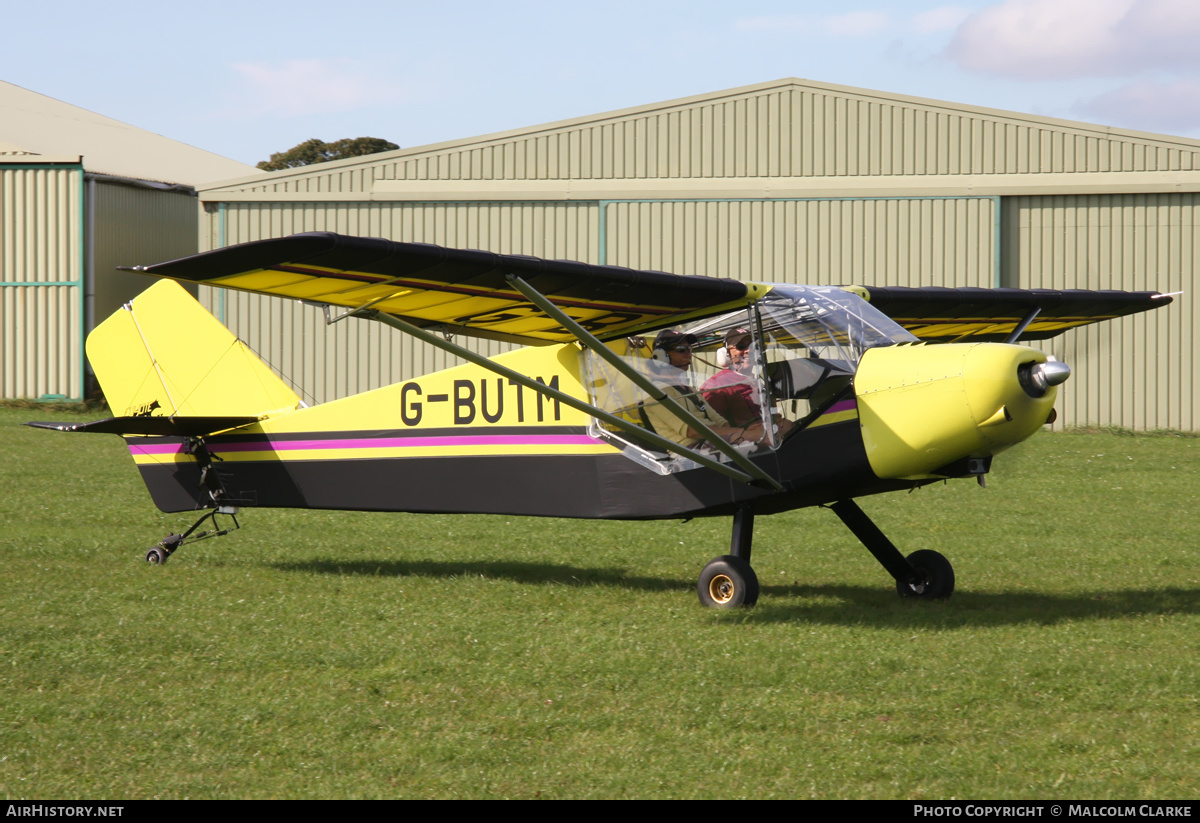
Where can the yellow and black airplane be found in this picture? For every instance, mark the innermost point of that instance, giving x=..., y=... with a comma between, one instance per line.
x=750, y=399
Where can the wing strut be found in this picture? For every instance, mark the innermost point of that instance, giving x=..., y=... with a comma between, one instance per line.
x=554, y=394
x=669, y=403
x=1015, y=334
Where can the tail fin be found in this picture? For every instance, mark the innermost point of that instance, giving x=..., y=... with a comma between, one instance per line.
x=164, y=355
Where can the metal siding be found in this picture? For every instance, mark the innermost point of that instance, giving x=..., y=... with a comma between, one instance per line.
x=871, y=242
x=1138, y=372
x=136, y=226
x=41, y=340
x=786, y=129
x=40, y=243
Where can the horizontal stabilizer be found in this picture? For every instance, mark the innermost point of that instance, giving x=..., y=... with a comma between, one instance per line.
x=176, y=426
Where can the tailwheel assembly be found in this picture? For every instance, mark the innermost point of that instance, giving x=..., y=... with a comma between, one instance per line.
x=160, y=552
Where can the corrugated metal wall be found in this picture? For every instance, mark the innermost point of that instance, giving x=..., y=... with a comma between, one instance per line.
x=41, y=245
x=134, y=225
x=770, y=131
x=45, y=248
x=917, y=241
x=1138, y=372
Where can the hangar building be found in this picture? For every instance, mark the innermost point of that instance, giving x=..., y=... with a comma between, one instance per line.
x=788, y=181
x=81, y=194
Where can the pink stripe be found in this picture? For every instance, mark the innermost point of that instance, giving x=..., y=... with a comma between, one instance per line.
x=380, y=443
x=845, y=405
x=411, y=442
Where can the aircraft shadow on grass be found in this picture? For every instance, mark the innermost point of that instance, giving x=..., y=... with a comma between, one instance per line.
x=525, y=573
x=832, y=604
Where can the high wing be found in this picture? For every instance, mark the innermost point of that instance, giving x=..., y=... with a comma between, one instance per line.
x=457, y=290
x=947, y=315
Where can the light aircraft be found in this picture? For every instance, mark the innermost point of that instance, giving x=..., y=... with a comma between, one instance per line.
x=854, y=391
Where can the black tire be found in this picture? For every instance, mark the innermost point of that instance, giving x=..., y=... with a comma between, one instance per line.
x=157, y=556
x=938, y=574
x=727, y=582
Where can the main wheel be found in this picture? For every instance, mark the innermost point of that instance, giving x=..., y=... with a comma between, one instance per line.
x=937, y=572
x=726, y=583
x=157, y=555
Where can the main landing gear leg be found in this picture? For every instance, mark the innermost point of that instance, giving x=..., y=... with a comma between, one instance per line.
x=728, y=581
x=926, y=573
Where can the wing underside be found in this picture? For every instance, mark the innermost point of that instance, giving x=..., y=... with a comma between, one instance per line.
x=459, y=290
x=948, y=315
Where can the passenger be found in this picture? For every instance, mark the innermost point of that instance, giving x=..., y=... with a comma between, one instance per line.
x=732, y=392
x=673, y=353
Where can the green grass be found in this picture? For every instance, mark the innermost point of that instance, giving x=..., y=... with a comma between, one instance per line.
x=317, y=654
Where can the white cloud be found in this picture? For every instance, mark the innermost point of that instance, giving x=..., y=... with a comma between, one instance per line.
x=295, y=88
x=1055, y=39
x=1173, y=107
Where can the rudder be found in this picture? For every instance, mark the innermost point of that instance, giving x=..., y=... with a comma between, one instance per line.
x=165, y=355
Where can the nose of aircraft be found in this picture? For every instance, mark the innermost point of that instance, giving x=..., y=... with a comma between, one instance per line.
x=924, y=409
x=1037, y=378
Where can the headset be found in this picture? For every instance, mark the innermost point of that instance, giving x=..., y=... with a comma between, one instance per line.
x=660, y=354
x=724, y=360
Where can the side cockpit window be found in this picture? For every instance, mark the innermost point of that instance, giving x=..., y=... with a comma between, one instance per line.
x=753, y=377
x=693, y=366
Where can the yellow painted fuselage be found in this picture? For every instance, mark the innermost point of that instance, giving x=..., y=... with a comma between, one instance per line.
x=922, y=407
x=468, y=440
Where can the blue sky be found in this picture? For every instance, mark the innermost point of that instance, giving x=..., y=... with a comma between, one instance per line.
x=245, y=79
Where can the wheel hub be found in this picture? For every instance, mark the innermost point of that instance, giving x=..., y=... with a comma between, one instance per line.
x=721, y=588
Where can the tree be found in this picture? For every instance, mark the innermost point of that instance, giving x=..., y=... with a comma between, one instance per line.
x=318, y=151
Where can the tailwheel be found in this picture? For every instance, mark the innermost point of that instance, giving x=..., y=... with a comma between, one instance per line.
x=158, y=554
x=727, y=583
x=936, y=576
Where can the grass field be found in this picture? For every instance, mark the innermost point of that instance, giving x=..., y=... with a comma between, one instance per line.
x=342, y=655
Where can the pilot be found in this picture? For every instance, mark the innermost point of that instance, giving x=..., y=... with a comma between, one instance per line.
x=673, y=351
x=732, y=392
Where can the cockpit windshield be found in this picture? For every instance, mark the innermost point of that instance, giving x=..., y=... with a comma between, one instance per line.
x=827, y=320
x=764, y=371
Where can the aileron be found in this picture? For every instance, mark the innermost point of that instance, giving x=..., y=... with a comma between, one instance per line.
x=944, y=314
